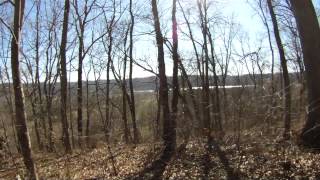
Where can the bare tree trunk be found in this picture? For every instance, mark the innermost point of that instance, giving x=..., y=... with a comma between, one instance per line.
x=187, y=127
x=273, y=88
x=49, y=84
x=286, y=80
x=168, y=128
x=21, y=120
x=36, y=122
x=175, y=80
x=272, y=102
x=49, y=114
x=197, y=109
x=158, y=115
x=37, y=76
x=309, y=31
x=80, y=28
x=31, y=95
x=88, y=110
x=136, y=138
x=97, y=95
x=109, y=54
x=216, y=97
x=205, y=86
x=63, y=79
x=191, y=92
x=124, y=92
x=107, y=110
x=73, y=141
x=79, y=89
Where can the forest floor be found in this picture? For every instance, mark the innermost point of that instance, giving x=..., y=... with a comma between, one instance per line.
x=258, y=156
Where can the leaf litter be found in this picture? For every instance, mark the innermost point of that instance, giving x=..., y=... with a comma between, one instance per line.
x=255, y=157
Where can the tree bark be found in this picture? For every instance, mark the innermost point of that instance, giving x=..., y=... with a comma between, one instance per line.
x=80, y=28
x=136, y=138
x=37, y=76
x=124, y=92
x=73, y=141
x=168, y=129
x=206, y=124
x=216, y=97
x=175, y=57
x=309, y=31
x=87, y=110
x=109, y=61
x=79, y=87
x=286, y=80
x=21, y=119
x=63, y=79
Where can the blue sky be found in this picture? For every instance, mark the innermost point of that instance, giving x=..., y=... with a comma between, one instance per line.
x=248, y=22
x=243, y=14
x=240, y=10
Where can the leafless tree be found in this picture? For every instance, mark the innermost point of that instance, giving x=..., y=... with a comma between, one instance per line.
x=168, y=124
x=309, y=31
x=63, y=79
x=21, y=119
x=132, y=103
x=286, y=80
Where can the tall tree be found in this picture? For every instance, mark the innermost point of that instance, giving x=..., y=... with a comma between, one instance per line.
x=175, y=57
x=80, y=34
x=216, y=96
x=82, y=21
x=51, y=76
x=38, y=98
x=168, y=129
x=63, y=79
x=263, y=16
x=132, y=99
x=202, y=6
x=286, y=80
x=109, y=48
x=21, y=119
x=308, y=27
x=124, y=90
x=184, y=72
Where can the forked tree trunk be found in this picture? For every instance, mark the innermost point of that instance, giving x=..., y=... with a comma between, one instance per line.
x=309, y=31
x=21, y=119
